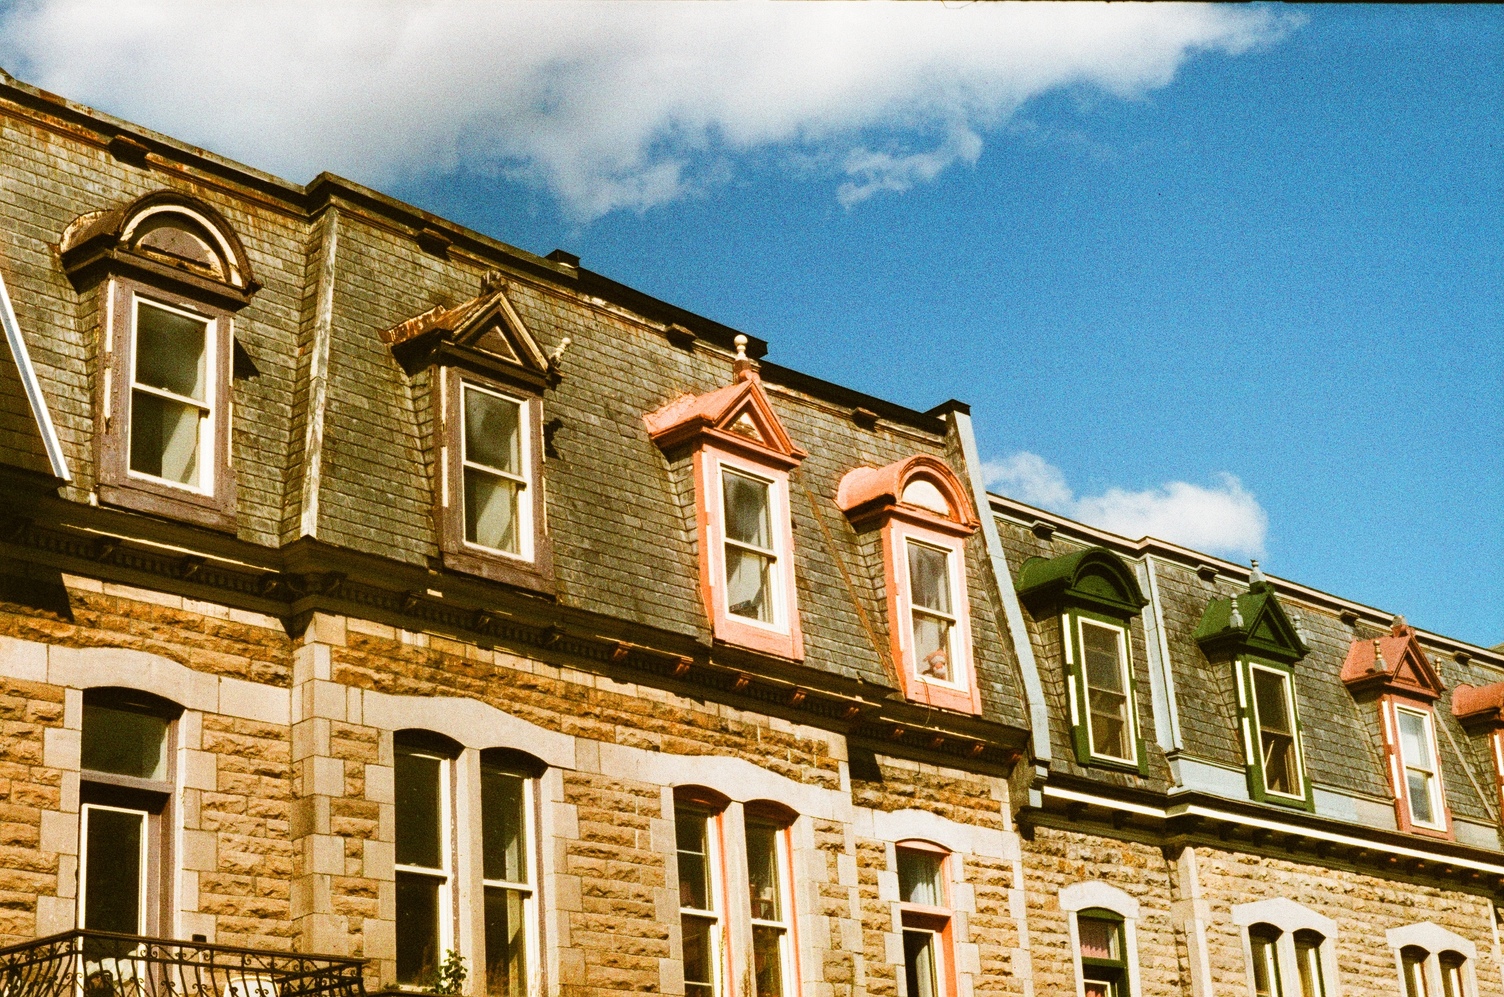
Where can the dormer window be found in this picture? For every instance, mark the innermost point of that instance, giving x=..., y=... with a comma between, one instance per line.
x=172, y=274
x=741, y=458
x=1255, y=636
x=1394, y=671
x=1095, y=596
x=920, y=507
x=485, y=376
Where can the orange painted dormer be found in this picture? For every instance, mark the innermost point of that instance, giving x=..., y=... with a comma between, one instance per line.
x=1395, y=670
x=1481, y=709
x=925, y=517
x=742, y=460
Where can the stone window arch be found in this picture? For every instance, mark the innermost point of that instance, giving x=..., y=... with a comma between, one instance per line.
x=1101, y=904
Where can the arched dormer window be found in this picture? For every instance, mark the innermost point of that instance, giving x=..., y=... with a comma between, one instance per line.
x=1253, y=633
x=1095, y=596
x=170, y=274
x=922, y=509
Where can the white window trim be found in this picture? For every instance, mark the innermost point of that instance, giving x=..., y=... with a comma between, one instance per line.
x=447, y=791
x=208, y=454
x=717, y=915
x=1287, y=682
x=532, y=923
x=784, y=850
x=144, y=868
x=1093, y=894
x=1125, y=668
x=1288, y=917
x=525, y=495
x=1435, y=940
x=1438, y=795
x=781, y=578
x=960, y=635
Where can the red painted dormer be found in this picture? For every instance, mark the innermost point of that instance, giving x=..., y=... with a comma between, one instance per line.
x=1480, y=709
x=1395, y=671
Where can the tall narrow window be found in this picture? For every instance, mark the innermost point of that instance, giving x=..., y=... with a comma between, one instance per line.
x=1105, y=671
x=1308, y=964
x=496, y=462
x=926, y=918
x=172, y=401
x=509, y=904
x=1263, y=943
x=1451, y=964
x=767, y=882
x=1274, y=716
x=933, y=618
x=750, y=553
x=1418, y=756
x=699, y=900
x=125, y=788
x=1413, y=969
x=423, y=860
x=1104, y=961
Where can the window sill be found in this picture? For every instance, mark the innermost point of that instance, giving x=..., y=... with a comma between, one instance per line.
x=536, y=575
x=171, y=503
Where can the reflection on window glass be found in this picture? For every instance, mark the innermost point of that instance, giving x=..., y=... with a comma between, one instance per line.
x=506, y=942
x=1276, y=726
x=1413, y=969
x=920, y=877
x=1308, y=962
x=422, y=869
x=930, y=604
x=124, y=742
x=697, y=901
x=494, y=476
x=1103, y=666
x=1262, y=942
x=1451, y=974
x=417, y=778
x=417, y=928
x=769, y=921
x=169, y=394
x=749, y=546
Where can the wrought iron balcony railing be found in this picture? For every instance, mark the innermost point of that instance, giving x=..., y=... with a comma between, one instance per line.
x=99, y=964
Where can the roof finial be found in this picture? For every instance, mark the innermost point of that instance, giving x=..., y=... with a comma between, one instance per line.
x=1379, y=664
x=1298, y=622
x=492, y=281
x=1256, y=580
x=1235, y=618
x=1398, y=627
x=742, y=365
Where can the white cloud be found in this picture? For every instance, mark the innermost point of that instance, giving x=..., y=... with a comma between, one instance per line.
x=607, y=106
x=1223, y=519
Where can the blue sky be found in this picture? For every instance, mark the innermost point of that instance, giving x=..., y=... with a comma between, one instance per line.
x=1231, y=275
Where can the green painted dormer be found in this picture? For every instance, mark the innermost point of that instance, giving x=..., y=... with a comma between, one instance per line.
x=1260, y=626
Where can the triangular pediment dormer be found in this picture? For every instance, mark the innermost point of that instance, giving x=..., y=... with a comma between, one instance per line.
x=739, y=417
x=1252, y=622
x=485, y=333
x=1392, y=663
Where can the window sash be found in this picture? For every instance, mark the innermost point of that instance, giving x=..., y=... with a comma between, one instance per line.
x=1308, y=965
x=1271, y=737
x=1413, y=969
x=96, y=870
x=924, y=962
x=1126, y=713
x=204, y=456
x=767, y=609
x=1266, y=975
x=436, y=925
x=768, y=506
x=1425, y=769
x=520, y=482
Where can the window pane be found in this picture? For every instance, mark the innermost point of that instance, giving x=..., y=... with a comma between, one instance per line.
x=1265, y=967
x=1308, y=959
x=1413, y=962
x=124, y=742
x=919, y=963
x=1103, y=982
x=919, y=877
x=1451, y=975
x=1269, y=697
x=506, y=942
x=1415, y=742
x=699, y=956
x=1280, y=773
x=170, y=351
x=691, y=829
x=767, y=960
x=1100, y=938
x=932, y=646
x=1107, y=700
x=164, y=438
x=1109, y=723
x=1418, y=785
x=929, y=578
x=747, y=584
x=1100, y=651
x=417, y=928
x=112, y=884
x=748, y=519
x=493, y=431
x=762, y=872
x=504, y=826
x=417, y=785
x=491, y=510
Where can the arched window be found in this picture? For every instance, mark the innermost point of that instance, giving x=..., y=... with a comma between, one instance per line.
x=700, y=845
x=770, y=890
x=125, y=793
x=509, y=870
x=1289, y=947
x=424, y=784
x=925, y=912
x=1433, y=962
x=1104, y=944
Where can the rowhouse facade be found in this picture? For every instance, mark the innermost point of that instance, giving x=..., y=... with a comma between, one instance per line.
x=384, y=606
